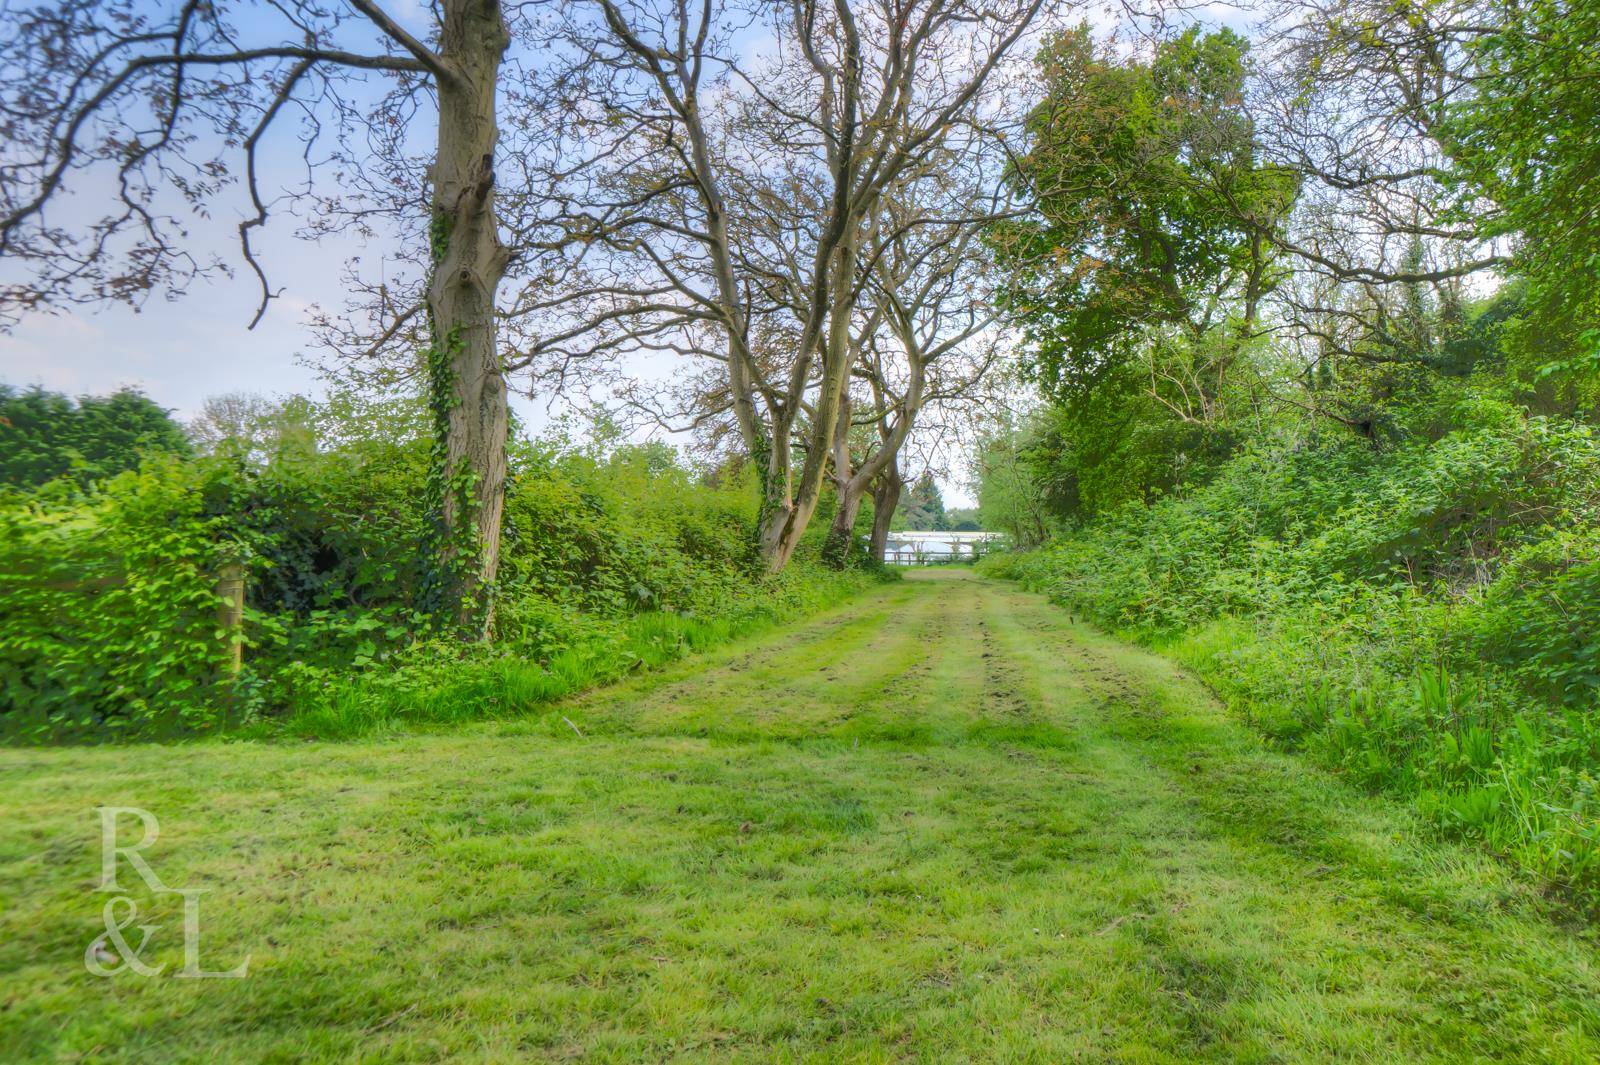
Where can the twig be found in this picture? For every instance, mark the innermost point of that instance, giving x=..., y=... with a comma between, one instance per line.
x=392, y=1018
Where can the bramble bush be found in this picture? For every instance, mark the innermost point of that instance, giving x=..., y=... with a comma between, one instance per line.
x=1424, y=619
x=615, y=558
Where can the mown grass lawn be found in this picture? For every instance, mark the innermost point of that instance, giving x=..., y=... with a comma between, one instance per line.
x=939, y=824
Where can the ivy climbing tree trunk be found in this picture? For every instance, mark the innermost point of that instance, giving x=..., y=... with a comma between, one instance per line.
x=183, y=87
x=466, y=379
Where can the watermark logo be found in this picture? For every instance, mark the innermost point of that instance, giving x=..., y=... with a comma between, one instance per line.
x=122, y=946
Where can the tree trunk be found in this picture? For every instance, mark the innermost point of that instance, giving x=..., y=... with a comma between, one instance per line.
x=885, y=498
x=774, y=461
x=783, y=527
x=842, y=534
x=847, y=489
x=467, y=386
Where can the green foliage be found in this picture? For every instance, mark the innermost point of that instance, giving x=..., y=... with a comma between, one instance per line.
x=1524, y=140
x=921, y=507
x=614, y=558
x=1015, y=494
x=250, y=429
x=963, y=519
x=1138, y=283
x=46, y=435
x=552, y=652
x=1425, y=619
x=110, y=611
x=1151, y=206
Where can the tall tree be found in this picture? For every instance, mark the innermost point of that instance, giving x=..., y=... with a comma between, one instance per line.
x=694, y=160
x=1155, y=218
x=1356, y=97
x=1523, y=139
x=156, y=108
x=1012, y=498
x=252, y=429
x=923, y=508
x=926, y=336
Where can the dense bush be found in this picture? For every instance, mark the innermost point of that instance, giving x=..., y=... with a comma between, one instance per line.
x=110, y=614
x=614, y=558
x=46, y=435
x=1424, y=618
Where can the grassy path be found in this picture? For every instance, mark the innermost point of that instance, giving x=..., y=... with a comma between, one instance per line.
x=940, y=824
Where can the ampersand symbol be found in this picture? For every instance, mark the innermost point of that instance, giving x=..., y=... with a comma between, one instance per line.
x=98, y=957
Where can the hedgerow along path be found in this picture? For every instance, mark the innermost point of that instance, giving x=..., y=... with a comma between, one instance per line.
x=942, y=823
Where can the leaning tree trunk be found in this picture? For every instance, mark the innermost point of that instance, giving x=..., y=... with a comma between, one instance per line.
x=467, y=388
x=885, y=498
x=842, y=533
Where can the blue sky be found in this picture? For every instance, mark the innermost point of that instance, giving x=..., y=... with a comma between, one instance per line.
x=178, y=353
x=182, y=351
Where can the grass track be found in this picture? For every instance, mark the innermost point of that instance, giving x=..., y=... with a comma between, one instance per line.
x=939, y=824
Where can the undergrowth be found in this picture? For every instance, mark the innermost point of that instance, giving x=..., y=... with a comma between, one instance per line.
x=445, y=683
x=1424, y=620
x=615, y=557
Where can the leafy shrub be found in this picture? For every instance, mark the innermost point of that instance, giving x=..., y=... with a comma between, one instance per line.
x=447, y=683
x=1426, y=620
x=110, y=605
x=1541, y=616
x=614, y=558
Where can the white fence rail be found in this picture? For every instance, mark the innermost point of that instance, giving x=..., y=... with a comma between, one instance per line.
x=916, y=548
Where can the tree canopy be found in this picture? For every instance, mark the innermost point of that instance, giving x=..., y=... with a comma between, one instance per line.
x=45, y=435
x=1525, y=141
x=1153, y=210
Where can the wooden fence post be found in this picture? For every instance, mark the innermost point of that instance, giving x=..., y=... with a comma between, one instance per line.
x=230, y=613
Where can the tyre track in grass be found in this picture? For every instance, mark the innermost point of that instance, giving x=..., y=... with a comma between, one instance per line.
x=941, y=823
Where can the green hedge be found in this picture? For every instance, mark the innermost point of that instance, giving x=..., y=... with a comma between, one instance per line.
x=612, y=559
x=1425, y=620
x=110, y=611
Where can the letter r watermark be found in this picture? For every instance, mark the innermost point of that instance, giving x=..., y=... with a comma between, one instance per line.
x=111, y=850
x=110, y=953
